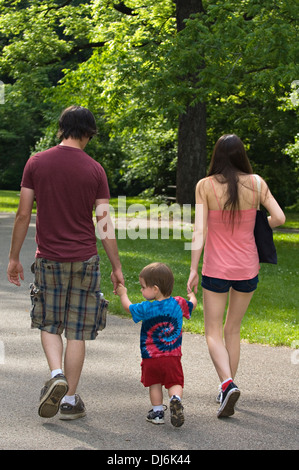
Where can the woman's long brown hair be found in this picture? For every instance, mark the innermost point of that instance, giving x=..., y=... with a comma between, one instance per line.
x=229, y=158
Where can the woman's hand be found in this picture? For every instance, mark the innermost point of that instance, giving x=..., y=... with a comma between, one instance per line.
x=193, y=281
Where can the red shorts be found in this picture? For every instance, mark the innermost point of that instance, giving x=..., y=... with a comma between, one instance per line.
x=166, y=370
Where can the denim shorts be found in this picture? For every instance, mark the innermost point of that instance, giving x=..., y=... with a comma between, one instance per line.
x=223, y=285
x=67, y=297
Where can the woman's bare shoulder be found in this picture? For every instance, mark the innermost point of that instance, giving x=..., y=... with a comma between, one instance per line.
x=203, y=182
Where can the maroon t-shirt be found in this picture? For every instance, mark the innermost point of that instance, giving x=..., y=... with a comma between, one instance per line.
x=66, y=182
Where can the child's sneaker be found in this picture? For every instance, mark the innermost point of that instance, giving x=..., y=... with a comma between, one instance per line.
x=156, y=417
x=176, y=412
x=228, y=400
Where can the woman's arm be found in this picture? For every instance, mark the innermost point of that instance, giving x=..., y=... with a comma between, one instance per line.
x=276, y=216
x=199, y=234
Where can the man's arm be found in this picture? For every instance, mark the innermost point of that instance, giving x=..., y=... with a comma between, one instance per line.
x=22, y=220
x=107, y=235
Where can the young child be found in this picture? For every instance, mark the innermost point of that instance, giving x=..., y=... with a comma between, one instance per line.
x=160, y=338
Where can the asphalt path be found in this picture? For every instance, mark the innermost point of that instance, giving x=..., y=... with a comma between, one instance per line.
x=266, y=416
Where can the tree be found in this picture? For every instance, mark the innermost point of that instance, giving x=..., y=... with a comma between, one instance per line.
x=192, y=132
x=245, y=58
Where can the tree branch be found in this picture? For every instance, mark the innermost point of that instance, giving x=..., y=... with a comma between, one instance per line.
x=64, y=4
x=76, y=49
x=266, y=67
x=122, y=8
x=87, y=46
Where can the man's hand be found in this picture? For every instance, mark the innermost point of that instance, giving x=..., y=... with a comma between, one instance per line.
x=15, y=272
x=117, y=278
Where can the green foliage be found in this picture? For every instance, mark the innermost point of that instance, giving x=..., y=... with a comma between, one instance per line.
x=20, y=128
x=129, y=65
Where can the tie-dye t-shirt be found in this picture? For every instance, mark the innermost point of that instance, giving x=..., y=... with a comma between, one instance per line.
x=162, y=321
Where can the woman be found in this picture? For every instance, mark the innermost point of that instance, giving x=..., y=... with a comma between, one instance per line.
x=230, y=265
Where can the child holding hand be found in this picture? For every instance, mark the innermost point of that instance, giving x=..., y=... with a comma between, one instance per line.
x=160, y=338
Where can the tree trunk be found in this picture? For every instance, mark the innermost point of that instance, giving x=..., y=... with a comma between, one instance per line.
x=191, y=165
x=192, y=157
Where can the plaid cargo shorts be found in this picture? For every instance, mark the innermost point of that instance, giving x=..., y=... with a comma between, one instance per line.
x=67, y=297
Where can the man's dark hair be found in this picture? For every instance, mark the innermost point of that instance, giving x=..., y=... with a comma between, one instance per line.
x=76, y=122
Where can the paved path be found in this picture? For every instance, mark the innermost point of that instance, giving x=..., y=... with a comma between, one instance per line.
x=266, y=416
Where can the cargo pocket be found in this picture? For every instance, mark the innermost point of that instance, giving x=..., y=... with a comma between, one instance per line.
x=102, y=314
x=36, y=312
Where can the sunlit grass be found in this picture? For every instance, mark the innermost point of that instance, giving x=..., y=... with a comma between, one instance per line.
x=9, y=201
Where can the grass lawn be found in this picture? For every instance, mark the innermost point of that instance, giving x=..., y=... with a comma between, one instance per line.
x=272, y=317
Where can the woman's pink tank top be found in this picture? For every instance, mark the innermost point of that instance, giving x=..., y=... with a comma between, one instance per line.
x=230, y=254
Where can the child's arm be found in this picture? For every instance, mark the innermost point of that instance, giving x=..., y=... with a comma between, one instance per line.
x=121, y=291
x=193, y=299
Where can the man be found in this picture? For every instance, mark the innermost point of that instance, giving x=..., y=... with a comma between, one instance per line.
x=67, y=184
